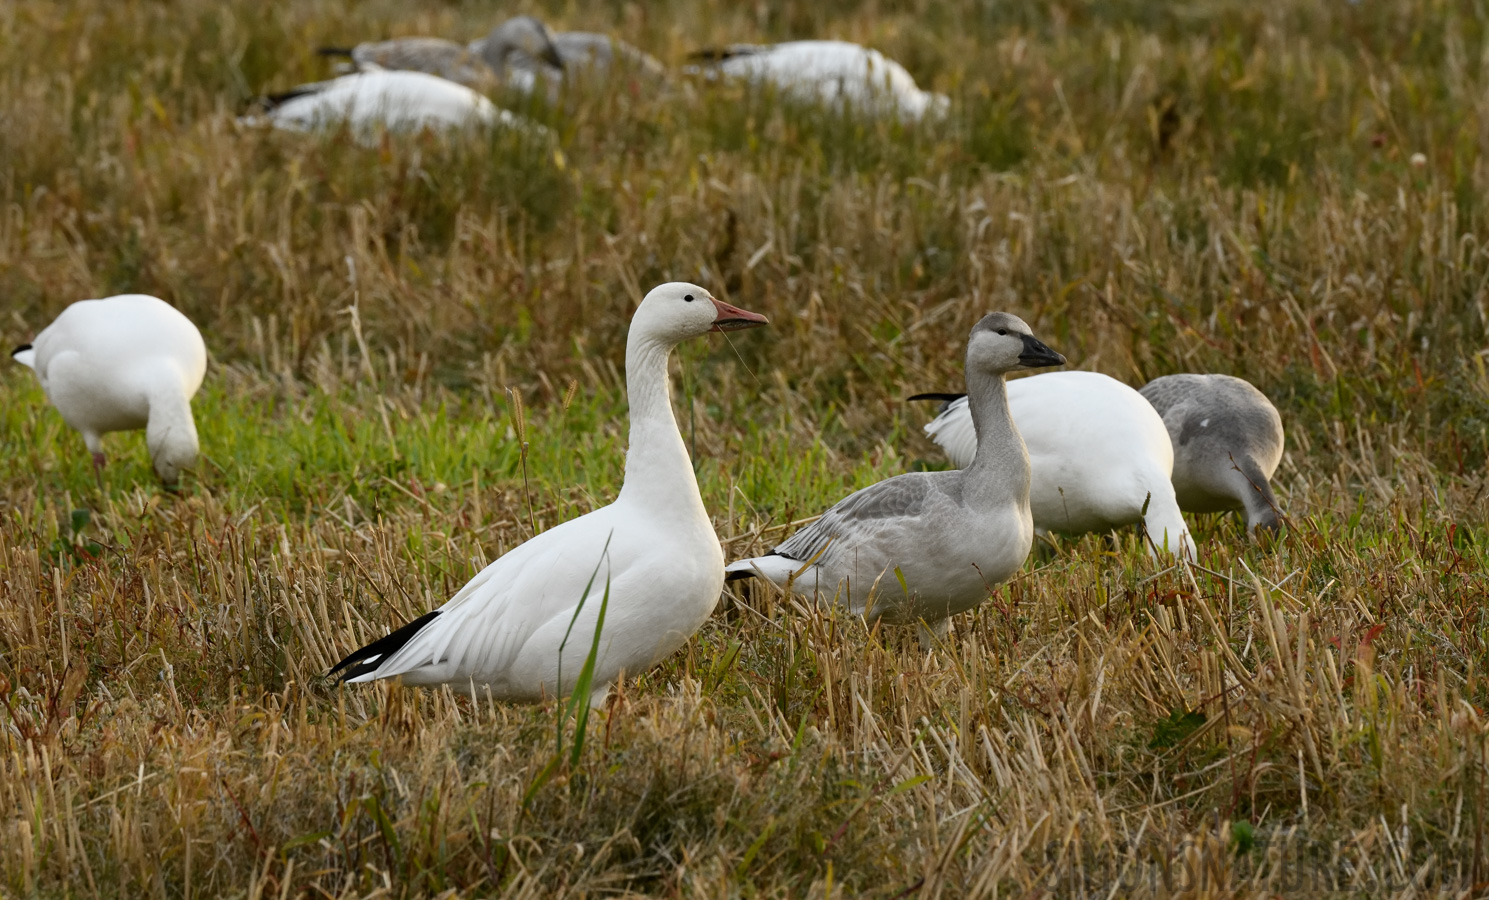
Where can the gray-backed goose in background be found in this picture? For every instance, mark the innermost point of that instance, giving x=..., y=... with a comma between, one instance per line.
x=481, y=64
x=1227, y=439
x=121, y=364
x=1099, y=455
x=921, y=547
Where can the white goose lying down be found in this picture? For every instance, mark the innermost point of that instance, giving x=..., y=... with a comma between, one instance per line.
x=1098, y=454
x=1227, y=439
x=831, y=72
x=655, y=545
x=121, y=364
x=952, y=537
x=397, y=101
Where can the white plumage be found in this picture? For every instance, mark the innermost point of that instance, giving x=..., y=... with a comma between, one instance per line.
x=920, y=547
x=121, y=364
x=831, y=72
x=392, y=100
x=654, y=548
x=1098, y=454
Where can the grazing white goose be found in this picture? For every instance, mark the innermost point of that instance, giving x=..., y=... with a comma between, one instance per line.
x=654, y=547
x=831, y=72
x=397, y=101
x=121, y=364
x=1098, y=453
x=480, y=64
x=1227, y=439
x=923, y=546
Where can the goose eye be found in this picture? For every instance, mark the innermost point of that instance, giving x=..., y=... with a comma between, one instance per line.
x=1002, y=330
x=689, y=298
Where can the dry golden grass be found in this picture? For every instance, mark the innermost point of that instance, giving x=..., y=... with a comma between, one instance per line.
x=1205, y=187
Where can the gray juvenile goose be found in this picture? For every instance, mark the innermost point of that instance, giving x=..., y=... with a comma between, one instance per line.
x=480, y=64
x=920, y=547
x=1227, y=440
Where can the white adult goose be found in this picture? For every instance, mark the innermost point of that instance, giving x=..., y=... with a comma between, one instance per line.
x=521, y=40
x=1227, y=439
x=832, y=72
x=654, y=547
x=949, y=538
x=1098, y=453
x=396, y=101
x=121, y=364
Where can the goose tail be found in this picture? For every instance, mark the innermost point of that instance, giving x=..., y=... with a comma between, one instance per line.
x=362, y=665
x=333, y=51
x=25, y=355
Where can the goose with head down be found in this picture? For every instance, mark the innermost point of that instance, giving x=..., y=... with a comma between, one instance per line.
x=523, y=627
x=923, y=546
x=121, y=364
x=1227, y=439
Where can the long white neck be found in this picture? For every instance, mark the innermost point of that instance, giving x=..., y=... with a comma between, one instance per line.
x=170, y=431
x=659, y=472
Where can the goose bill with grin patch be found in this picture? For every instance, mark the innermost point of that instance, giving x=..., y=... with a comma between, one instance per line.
x=732, y=318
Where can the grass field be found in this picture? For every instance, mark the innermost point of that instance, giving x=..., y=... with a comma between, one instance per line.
x=1292, y=192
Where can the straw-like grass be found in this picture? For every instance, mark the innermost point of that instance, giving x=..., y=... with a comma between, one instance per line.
x=1213, y=186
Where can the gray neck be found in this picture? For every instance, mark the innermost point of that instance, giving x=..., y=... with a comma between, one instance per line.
x=1002, y=460
x=659, y=472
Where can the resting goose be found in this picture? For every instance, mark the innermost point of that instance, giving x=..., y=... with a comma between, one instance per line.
x=1098, y=453
x=583, y=54
x=480, y=64
x=831, y=72
x=1227, y=439
x=396, y=101
x=921, y=547
x=654, y=548
x=121, y=364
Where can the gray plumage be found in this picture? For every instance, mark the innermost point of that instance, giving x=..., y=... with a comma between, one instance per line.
x=510, y=48
x=923, y=546
x=1227, y=439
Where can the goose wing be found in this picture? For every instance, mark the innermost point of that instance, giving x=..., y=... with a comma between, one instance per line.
x=479, y=633
x=860, y=516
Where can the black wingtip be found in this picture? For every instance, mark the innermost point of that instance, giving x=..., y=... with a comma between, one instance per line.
x=932, y=395
x=333, y=51
x=738, y=575
x=717, y=54
x=371, y=656
x=21, y=349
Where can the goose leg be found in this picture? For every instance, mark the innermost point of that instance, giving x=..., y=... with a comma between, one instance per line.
x=933, y=633
x=98, y=463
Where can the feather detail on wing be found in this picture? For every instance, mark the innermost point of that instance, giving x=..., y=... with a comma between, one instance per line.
x=898, y=497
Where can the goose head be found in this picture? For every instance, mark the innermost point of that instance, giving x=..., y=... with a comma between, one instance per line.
x=521, y=34
x=676, y=311
x=172, y=449
x=1001, y=343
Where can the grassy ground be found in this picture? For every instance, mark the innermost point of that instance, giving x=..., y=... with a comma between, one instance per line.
x=1214, y=186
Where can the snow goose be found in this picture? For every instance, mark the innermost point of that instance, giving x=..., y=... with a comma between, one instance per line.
x=121, y=364
x=479, y=64
x=397, y=101
x=524, y=625
x=831, y=72
x=923, y=546
x=1098, y=453
x=584, y=54
x=1227, y=439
